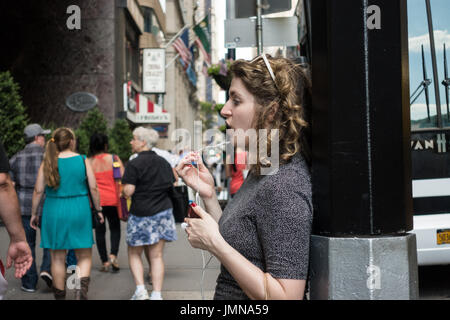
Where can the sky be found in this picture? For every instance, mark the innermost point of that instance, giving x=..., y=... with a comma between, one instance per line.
x=418, y=35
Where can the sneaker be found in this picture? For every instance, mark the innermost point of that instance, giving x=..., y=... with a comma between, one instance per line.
x=47, y=277
x=141, y=295
x=156, y=296
x=71, y=269
x=27, y=290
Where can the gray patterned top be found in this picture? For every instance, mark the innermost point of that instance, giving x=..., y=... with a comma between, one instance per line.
x=269, y=222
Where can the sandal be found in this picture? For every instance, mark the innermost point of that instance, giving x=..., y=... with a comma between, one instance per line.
x=114, y=264
x=105, y=267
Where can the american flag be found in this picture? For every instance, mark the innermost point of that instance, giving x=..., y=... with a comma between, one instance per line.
x=206, y=56
x=181, y=45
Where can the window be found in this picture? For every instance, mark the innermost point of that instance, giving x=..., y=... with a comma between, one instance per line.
x=425, y=107
x=151, y=24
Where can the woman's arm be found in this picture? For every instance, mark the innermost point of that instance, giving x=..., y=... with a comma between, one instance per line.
x=122, y=168
x=39, y=188
x=93, y=185
x=128, y=190
x=204, y=233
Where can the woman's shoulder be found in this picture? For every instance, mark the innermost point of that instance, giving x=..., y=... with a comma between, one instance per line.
x=293, y=176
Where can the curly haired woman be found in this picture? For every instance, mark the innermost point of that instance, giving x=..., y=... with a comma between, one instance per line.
x=262, y=236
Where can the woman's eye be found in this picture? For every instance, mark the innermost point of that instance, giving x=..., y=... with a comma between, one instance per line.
x=236, y=102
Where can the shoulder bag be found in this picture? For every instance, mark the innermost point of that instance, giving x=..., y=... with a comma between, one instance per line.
x=123, y=207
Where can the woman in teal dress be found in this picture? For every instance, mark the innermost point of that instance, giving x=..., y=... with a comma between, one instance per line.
x=66, y=216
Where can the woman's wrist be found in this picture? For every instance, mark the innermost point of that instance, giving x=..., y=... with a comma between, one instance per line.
x=219, y=247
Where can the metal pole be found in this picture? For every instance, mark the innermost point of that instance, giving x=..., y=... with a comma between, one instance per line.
x=259, y=38
x=433, y=59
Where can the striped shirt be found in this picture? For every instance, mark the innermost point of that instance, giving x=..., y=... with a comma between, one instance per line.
x=24, y=170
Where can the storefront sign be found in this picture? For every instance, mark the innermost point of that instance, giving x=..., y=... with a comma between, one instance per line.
x=149, y=117
x=141, y=109
x=154, y=71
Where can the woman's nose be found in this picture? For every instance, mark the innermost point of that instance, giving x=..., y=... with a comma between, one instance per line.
x=226, y=110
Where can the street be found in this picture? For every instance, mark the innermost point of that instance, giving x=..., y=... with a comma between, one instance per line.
x=434, y=284
x=182, y=281
x=182, y=276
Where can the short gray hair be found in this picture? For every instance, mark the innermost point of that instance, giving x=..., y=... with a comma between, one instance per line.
x=147, y=135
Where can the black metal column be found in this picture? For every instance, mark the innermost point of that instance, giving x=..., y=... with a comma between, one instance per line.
x=361, y=248
x=361, y=122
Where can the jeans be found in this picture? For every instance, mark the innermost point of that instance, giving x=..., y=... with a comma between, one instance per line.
x=110, y=214
x=71, y=259
x=30, y=279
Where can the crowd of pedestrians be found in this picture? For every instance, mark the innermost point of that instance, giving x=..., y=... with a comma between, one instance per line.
x=261, y=238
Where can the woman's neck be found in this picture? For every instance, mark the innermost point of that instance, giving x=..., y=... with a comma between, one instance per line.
x=66, y=153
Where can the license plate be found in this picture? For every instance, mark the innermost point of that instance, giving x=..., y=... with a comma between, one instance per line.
x=443, y=236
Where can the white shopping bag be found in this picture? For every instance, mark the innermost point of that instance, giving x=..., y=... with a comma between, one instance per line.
x=3, y=282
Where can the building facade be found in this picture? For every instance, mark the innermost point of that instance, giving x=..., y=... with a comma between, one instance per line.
x=96, y=48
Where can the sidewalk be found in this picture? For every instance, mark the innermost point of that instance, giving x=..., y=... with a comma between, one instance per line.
x=182, y=281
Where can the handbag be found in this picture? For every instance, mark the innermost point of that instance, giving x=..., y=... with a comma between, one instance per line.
x=94, y=213
x=123, y=207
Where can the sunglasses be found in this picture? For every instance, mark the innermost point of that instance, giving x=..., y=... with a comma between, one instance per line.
x=266, y=62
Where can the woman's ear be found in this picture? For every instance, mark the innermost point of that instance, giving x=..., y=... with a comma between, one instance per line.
x=273, y=110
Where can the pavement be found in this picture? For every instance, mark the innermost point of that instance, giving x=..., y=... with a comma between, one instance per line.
x=182, y=280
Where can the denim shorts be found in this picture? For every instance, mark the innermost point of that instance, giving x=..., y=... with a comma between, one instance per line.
x=142, y=231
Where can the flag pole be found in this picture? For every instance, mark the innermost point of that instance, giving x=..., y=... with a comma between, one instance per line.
x=181, y=31
x=177, y=35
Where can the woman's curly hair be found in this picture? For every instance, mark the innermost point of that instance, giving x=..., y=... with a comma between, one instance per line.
x=284, y=104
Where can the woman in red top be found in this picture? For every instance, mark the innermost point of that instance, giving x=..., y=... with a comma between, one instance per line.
x=102, y=165
x=236, y=170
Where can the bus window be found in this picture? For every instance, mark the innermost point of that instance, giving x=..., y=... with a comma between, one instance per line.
x=428, y=109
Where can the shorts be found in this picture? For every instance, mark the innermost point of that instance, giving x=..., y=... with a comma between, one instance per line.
x=142, y=231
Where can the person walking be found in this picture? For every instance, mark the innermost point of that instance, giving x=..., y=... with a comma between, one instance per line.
x=19, y=251
x=235, y=171
x=262, y=236
x=64, y=176
x=102, y=165
x=148, y=179
x=24, y=170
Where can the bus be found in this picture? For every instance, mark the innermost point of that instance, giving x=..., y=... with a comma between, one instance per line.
x=429, y=39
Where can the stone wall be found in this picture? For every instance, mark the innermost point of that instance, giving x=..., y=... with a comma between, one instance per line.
x=51, y=62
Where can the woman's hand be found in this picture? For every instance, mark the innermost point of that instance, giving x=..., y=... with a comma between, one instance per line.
x=203, y=233
x=201, y=181
x=34, y=221
x=100, y=215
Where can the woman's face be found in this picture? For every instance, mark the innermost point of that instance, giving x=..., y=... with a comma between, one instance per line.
x=136, y=145
x=240, y=107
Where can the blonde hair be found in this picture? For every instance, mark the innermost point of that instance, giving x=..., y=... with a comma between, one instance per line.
x=285, y=101
x=60, y=141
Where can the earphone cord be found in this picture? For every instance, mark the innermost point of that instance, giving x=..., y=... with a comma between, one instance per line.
x=204, y=265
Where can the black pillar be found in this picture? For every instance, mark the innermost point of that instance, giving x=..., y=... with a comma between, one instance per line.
x=360, y=120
